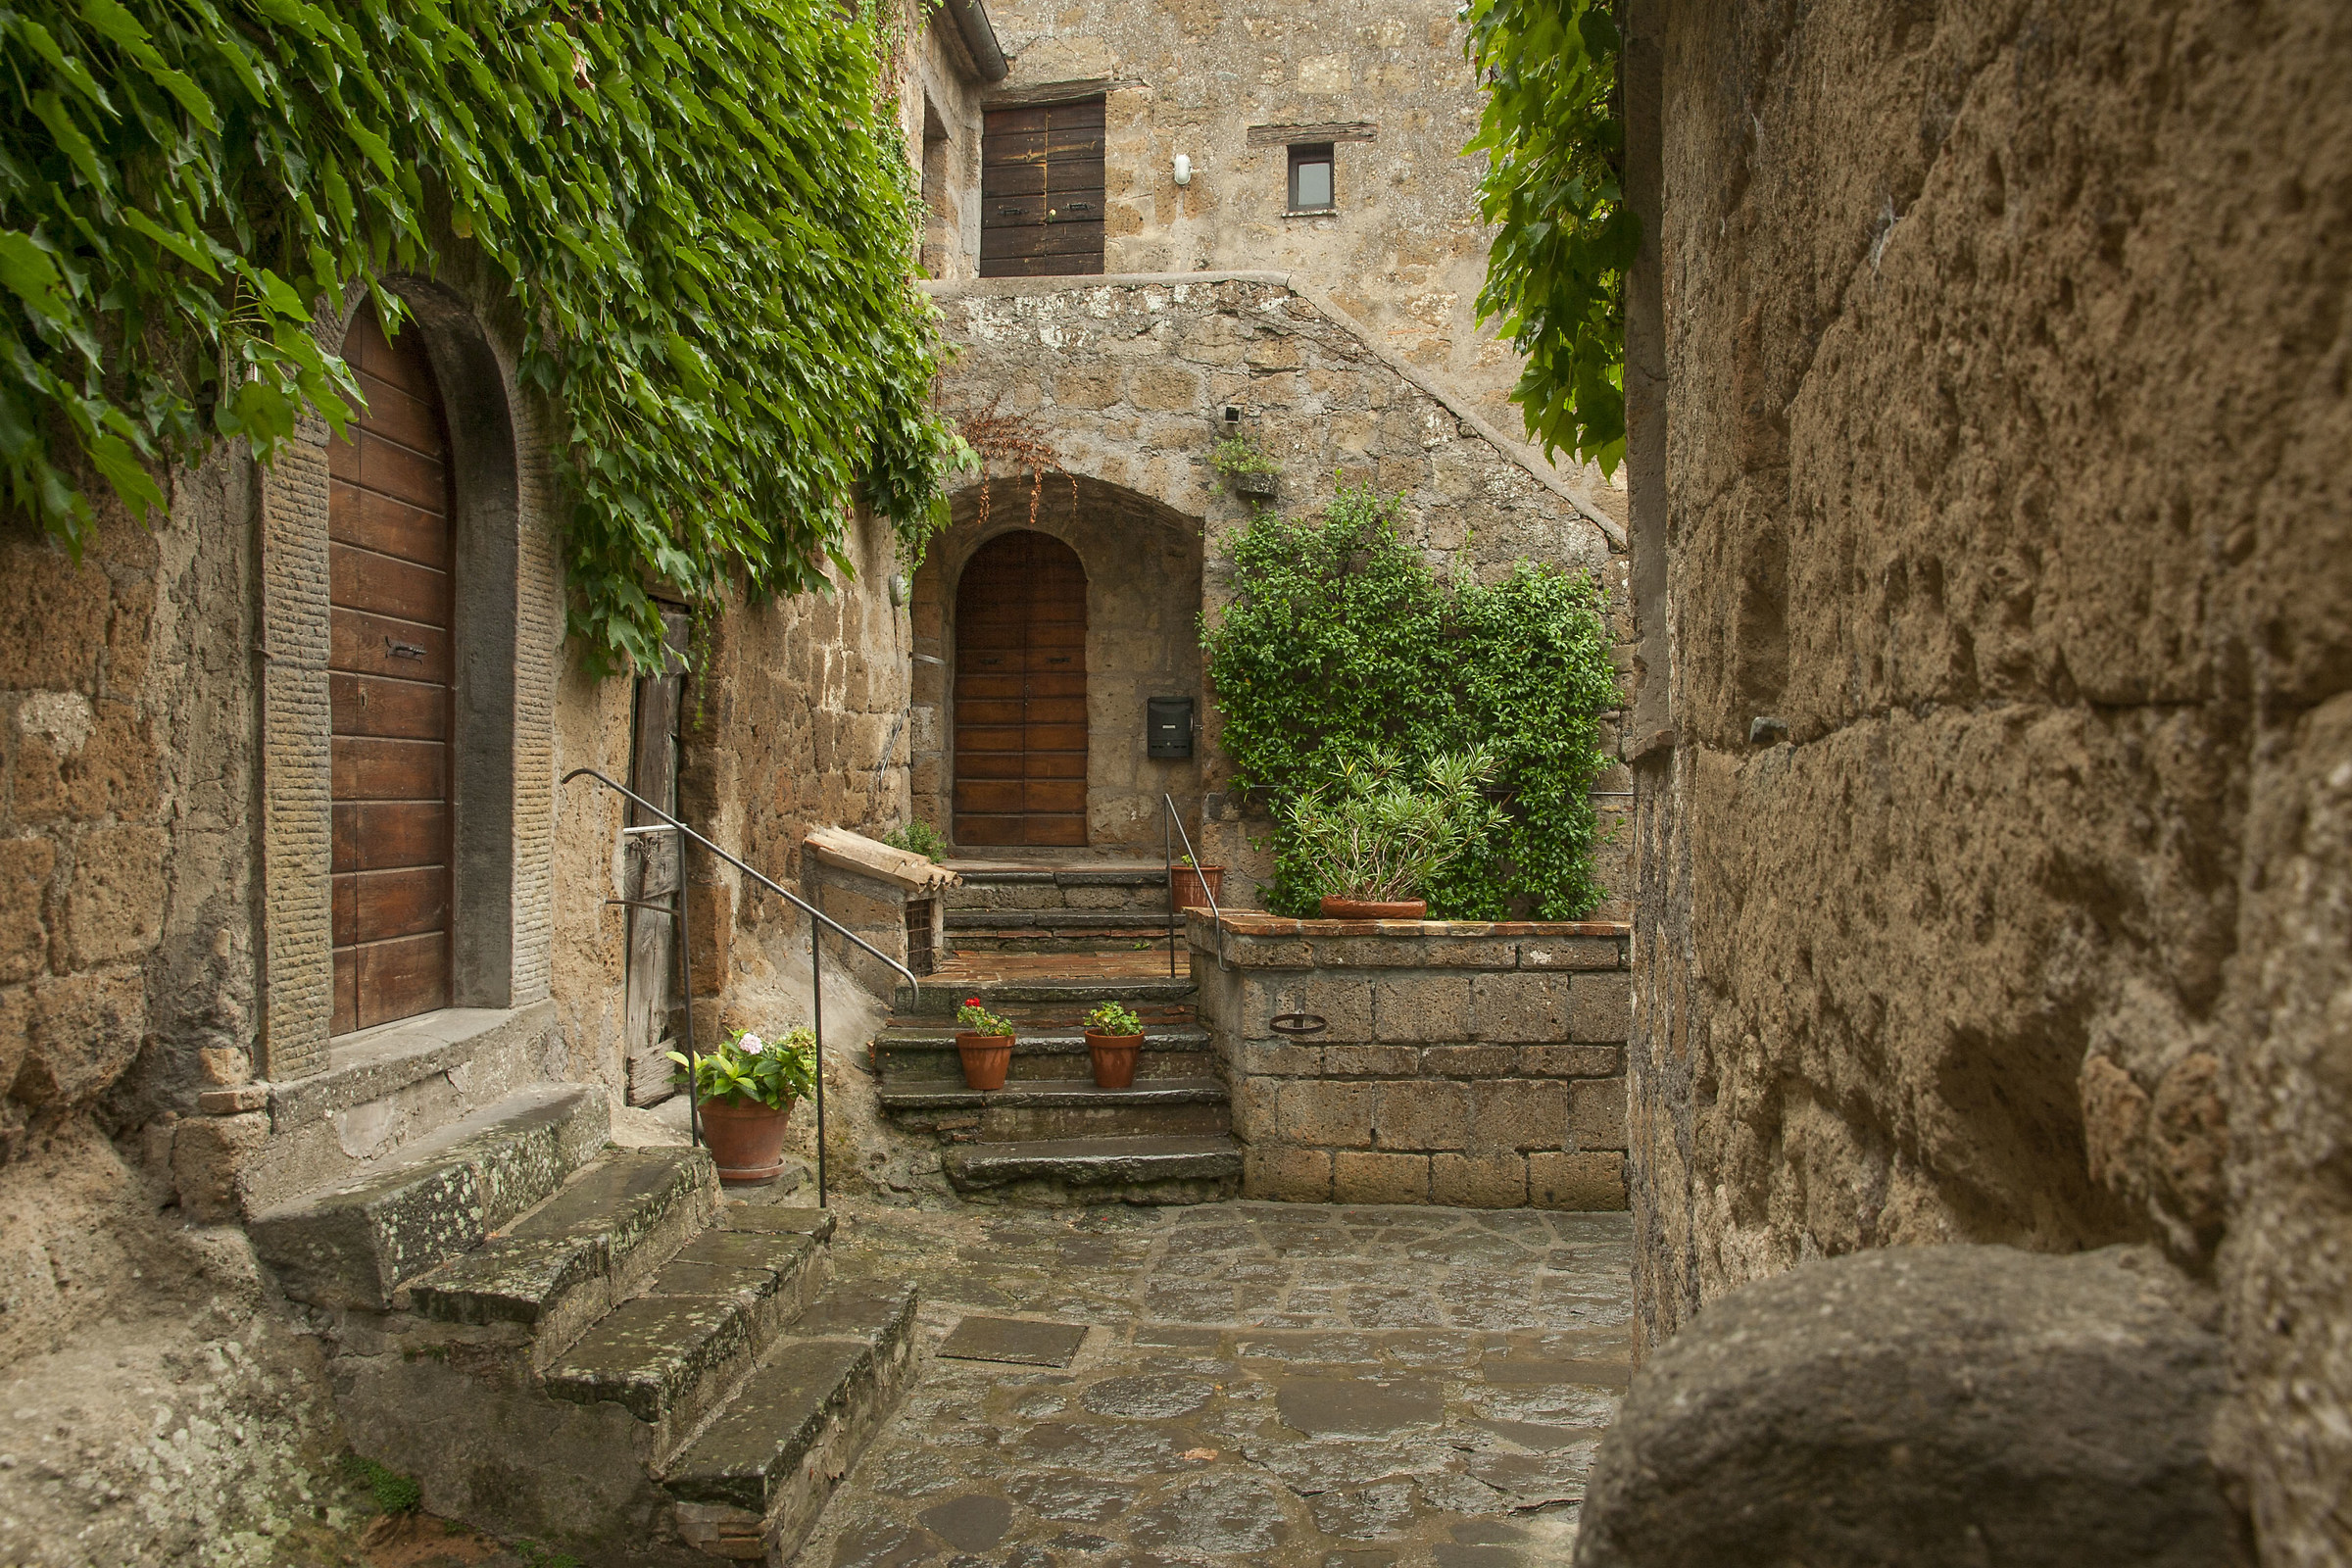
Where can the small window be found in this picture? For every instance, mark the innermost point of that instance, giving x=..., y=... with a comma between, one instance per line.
x=1310, y=178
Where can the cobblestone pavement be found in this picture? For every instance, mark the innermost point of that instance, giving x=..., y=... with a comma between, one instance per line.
x=1259, y=1384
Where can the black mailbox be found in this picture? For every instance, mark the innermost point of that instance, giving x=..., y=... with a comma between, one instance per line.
x=1169, y=726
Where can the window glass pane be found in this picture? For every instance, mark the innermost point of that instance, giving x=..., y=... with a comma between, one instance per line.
x=1312, y=184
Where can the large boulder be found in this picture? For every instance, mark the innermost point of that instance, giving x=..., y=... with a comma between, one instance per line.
x=1925, y=1406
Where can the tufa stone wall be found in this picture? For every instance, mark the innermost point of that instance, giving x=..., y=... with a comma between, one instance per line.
x=1462, y=1062
x=1126, y=378
x=1999, y=473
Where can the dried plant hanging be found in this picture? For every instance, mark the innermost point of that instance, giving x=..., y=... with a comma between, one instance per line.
x=1013, y=439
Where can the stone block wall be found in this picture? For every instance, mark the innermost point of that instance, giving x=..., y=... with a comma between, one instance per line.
x=2001, y=464
x=1460, y=1062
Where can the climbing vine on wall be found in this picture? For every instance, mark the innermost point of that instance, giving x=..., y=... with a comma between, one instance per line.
x=1554, y=132
x=706, y=225
x=1341, y=638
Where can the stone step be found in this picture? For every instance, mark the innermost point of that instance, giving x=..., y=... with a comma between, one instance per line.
x=1097, y=1170
x=1047, y=1000
x=675, y=1353
x=1050, y=1109
x=561, y=1267
x=962, y=922
x=753, y=1479
x=915, y=1056
x=353, y=1244
x=1075, y=940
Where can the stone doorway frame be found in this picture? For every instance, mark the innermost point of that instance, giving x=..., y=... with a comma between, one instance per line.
x=507, y=615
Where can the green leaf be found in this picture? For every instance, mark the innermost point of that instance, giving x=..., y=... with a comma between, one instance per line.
x=32, y=278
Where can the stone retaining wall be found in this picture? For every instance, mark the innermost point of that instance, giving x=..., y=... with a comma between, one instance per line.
x=1462, y=1062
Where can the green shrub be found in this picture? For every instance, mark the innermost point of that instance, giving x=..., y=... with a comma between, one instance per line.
x=1341, y=643
x=748, y=1070
x=918, y=836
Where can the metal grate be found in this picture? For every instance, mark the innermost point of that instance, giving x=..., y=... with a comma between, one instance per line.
x=921, y=957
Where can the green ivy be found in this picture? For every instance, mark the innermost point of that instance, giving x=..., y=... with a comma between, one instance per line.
x=1554, y=128
x=705, y=220
x=1341, y=639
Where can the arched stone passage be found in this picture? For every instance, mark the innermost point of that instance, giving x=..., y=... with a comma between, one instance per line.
x=1140, y=561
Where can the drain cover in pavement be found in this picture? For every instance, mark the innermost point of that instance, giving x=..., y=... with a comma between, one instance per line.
x=1005, y=1339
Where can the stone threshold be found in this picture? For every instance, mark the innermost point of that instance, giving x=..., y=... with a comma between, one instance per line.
x=376, y=1064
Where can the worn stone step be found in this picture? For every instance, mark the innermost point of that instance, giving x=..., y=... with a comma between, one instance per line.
x=753, y=1481
x=1038, y=1108
x=675, y=1353
x=925, y=1057
x=1042, y=999
x=965, y=921
x=1095, y=1170
x=562, y=1265
x=355, y=1243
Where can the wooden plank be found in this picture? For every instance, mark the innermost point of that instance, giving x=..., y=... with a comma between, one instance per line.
x=399, y=361
x=389, y=527
x=397, y=709
x=1000, y=712
x=344, y=839
x=1014, y=121
x=401, y=415
x=361, y=579
x=1055, y=738
x=1056, y=681
x=368, y=770
x=1058, y=831
x=1053, y=765
x=1042, y=267
x=976, y=738
x=990, y=830
x=1007, y=181
x=343, y=903
x=653, y=872
x=1079, y=143
x=1043, y=239
x=986, y=688
x=402, y=903
x=987, y=795
x=391, y=469
x=390, y=834
x=1061, y=207
x=988, y=765
x=1054, y=795
x=378, y=645
x=1054, y=709
x=403, y=978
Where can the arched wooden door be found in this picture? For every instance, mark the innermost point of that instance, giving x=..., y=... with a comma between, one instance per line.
x=390, y=667
x=1021, y=693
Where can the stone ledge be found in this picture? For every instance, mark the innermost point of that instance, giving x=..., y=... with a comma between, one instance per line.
x=382, y=1061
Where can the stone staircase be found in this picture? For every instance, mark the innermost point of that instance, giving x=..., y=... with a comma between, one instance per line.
x=1058, y=908
x=1049, y=1136
x=589, y=1346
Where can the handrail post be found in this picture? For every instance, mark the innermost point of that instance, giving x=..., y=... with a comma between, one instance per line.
x=694, y=1088
x=1216, y=916
x=1167, y=850
x=817, y=1006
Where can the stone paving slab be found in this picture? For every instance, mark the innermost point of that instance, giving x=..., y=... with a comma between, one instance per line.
x=1263, y=1384
x=1007, y=1339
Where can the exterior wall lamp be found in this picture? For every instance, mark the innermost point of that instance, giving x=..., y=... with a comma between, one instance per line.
x=1184, y=170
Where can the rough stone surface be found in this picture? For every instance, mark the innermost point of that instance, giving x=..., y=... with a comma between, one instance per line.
x=1931, y=1406
x=1459, y=1075
x=2031, y=930
x=1262, y=1385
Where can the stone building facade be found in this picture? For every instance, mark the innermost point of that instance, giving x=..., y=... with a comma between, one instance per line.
x=1992, y=548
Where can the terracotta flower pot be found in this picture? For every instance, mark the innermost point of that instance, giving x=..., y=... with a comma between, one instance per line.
x=746, y=1139
x=987, y=1058
x=1113, y=1058
x=1370, y=909
x=1195, y=885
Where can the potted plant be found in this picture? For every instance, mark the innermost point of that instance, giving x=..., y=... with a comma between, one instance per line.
x=1195, y=887
x=1113, y=1035
x=744, y=1089
x=1376, y=839
x=1246, y=465
x=984, y=1043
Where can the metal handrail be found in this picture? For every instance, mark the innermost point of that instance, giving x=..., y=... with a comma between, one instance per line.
x=816, y=959
x=1168, y=848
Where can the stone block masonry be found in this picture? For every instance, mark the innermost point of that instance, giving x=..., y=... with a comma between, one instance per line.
x=1458, y=1062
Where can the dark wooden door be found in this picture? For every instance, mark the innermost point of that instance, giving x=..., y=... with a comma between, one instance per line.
x=1021, y=693
x=1041, y=191
x=650, y=874
x=390, y=665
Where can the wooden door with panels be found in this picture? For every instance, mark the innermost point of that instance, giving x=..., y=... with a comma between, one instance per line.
x=390, y=553
x=1021, y=693
x=1041, y=191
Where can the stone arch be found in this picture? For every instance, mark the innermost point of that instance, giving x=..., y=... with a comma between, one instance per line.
x=1142, y=559
x=496, y=732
